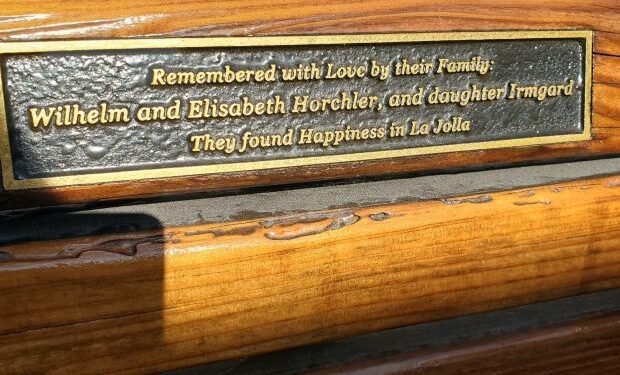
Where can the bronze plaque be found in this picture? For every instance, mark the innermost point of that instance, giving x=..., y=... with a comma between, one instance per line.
x=87, y=112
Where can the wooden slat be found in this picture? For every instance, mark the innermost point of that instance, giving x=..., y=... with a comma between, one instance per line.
x=70, y=19
x=176, y=297
x=61, y=19
x=590, y=346
x=473, y=335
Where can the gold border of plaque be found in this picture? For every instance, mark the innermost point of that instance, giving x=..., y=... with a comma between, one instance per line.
x=10, y=183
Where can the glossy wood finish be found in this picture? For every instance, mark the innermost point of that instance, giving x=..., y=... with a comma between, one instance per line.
x=147, y=301
x=63, y=19
x=585, y=347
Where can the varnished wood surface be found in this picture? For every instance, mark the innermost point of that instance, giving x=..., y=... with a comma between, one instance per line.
x=590, y=346
x=143, y=302
x=61, y=19
x=421, y=340
x=71, y=19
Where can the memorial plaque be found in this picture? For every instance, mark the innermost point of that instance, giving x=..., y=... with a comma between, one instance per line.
x=89, y=112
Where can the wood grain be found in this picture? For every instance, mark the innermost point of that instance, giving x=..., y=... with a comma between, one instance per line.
x=62, y=19
x=585, y=347
x=148, y=301
x=70, y=19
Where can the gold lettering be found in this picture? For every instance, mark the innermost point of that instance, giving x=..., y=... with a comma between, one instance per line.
x=41, y=116
x=158, y=77
x=541, y=92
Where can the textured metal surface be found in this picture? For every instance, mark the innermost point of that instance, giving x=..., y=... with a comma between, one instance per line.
x=121, y=77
